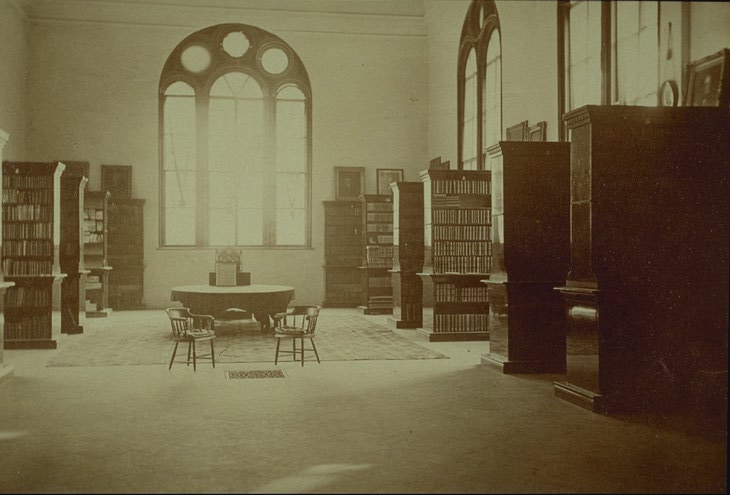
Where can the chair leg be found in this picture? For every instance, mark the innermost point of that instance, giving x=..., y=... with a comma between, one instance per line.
x=195, y=358
x=294, y=349
x=311, y=340
x=190, y=345
x=212, y=353
x=174, y=351
x=302, y=344
x=276, y=358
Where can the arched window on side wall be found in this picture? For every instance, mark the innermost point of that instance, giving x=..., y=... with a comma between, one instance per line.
x=479, y=76
x=235, y=141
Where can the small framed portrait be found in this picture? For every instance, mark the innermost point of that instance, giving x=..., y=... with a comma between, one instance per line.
x=385, y=176
x=517, y=132
x=349, y=183
x=708, y=81
x=537, y=132
x=117, y=179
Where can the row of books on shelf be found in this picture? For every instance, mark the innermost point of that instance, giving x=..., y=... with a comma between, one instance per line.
x=461, y=264
x=380, y=227
x=452, y=293
x=377, y=302
x=376, y=282
x=460, y=202
x=13, y=267
x=27, y=248
x=26, y=213
x=460, y=322
x=28, y=328
x=462, y=248
x=27, y=230
x=481, y=216
x=40, y=182
x=378, y=252
x=94, y=225
x=380, y=206
x=93, y=214
x=26, y=196
x=380, y=239
x=93, y=237
x=27, y=296
x=411, y=311
x=462, y=232
x=459, y=186
x=379, y=217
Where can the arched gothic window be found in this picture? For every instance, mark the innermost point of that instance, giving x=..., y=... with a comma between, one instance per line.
x=235, y=141
x=479, y=85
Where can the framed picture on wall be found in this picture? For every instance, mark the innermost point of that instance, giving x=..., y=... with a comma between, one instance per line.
x=349, y=183
x=537, y=132
x=117, y=179
x=387, y=175
x=708, y=81
x=517, y=132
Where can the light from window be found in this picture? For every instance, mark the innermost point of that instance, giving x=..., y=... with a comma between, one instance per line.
x=236, y=44
x=636, y=52
x=291, y=166
x=583, y=60
x=492, y=118
x=274, y=60
x=469, y=146
x=195, y=58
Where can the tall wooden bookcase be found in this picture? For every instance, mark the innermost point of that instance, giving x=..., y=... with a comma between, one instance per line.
x=457, y=246
x=342, y=254
x=646, y=297
x=377, y=230
x=407, y=254
x=73, y=287
x=125, y=244
x=530, y=256
x=30, y=251
x=5, y=369
x=95, y=253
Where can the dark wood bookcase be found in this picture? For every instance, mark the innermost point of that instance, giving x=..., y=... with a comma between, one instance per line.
x=96, y=253
x=30, y=251
x=530, y=256
x=125, y=232
x=457, y=251
x=377, y=234
x=73, y=286
x=5, y=369
x=342, y=253
x=646, y=297
x=407, y=254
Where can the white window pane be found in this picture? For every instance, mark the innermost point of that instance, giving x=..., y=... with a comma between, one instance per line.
x=222, y=147
x=290, y=227
x=179, y=133
x=223, y=190
x=251, y=191
x=250, y=227
x=250, y=135
x=180, y=226
x=222, y=227
x=179, y=189
x=290, y=93
x=179, y=88
x=290, y=190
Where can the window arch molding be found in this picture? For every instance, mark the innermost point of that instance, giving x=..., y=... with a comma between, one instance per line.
x=480, y=24
x=237, y=57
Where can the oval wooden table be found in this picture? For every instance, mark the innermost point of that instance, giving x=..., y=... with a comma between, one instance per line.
x=261, y=300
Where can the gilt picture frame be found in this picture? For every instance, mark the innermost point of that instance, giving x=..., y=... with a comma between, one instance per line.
x=384, y=176
x=349, y=183
x=708, y=81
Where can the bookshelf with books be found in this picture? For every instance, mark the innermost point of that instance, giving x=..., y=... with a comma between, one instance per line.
x=96, y=254
x=343, y=254
x=646, y=295
x=530, y=256
x=407, y=254
x=377, y=257
x=73, y=287
x=457, y=252
x=30, y=251
x=125, y=232
x=5, y=369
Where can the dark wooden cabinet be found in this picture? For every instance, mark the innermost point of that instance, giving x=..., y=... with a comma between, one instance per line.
x=530, y=256
x=377, y=234
x=30, y=251
x=407, y=254
x=73, y=286
x=646, y=297
x=342, y=254
x=457, y=252
x=125, y=232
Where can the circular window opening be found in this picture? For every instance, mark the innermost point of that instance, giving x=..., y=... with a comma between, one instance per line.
x=236, y=44
x=195, y=58
x=275, y=60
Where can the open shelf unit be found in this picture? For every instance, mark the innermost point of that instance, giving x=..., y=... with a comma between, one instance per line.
x=377, y=257
x=95, y=253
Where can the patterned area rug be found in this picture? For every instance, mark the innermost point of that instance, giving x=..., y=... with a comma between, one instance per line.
x=130, y=339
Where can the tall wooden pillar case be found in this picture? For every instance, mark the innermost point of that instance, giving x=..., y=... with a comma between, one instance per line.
x=342, y=254
x=30, y=251
x=407, y=254
x=72, y=252
x=646, y=297
x=5, y=369
x=457, y=252
x=530, y=256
